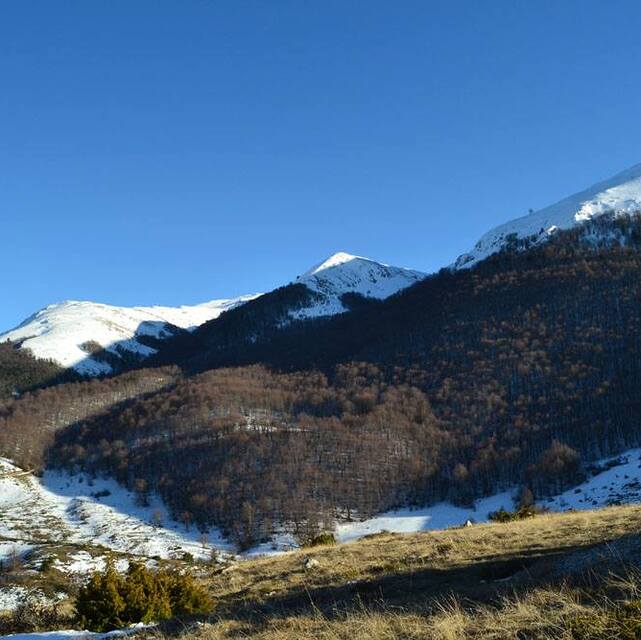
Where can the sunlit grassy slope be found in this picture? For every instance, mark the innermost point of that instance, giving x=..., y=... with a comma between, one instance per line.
x=547, y=577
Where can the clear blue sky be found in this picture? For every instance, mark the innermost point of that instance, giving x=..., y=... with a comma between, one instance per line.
x=175, y=151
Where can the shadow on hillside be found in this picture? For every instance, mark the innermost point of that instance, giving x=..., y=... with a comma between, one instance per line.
x=127, y=354
x=98, y=507
x=420, y=590
x=105, y=512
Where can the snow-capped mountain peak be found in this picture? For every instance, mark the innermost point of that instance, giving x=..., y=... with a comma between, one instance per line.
x=343, y=273
x=333, y=261
x=70, y=332
x=619, y=195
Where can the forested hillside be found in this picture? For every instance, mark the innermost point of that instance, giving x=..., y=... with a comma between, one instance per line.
x=20, y=371
x=28, y=423
x=518, y=371
x=246, y=449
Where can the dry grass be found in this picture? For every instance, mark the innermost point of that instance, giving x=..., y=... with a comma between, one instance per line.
x=515, y=580
x=540, y=614
x=371, y=559
x=560, y=613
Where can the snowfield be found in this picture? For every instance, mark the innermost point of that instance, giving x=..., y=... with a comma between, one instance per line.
x=618, y=481
x=61, y=508
x=79, y=510
x=82, y=521
x=63, y=332
x=620, y=195
x=615, y=480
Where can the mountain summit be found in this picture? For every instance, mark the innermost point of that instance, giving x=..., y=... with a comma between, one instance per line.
x=620, y=195
x=334, y=260
x=343, y=273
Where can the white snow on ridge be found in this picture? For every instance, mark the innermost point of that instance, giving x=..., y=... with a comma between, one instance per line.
x=63, y=332
x=59, y=331
x=345, y=273
x=620, y=195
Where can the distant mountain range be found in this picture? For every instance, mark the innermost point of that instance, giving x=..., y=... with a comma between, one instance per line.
x=97, y=339
x=93, y=338
x=71, y=333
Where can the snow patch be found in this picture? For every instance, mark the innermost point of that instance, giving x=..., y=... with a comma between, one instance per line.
x=617, y=480
x=614, y=480
x=280, y=543
x=78, y=509
x=83, y=563
x=10, y=550
x=333, y=261
x=72, y=633
x=12, y=596
x=439, y=516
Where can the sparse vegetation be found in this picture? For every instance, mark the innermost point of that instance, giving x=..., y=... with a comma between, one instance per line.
x=35, y=614
x=523, y=512
x=325, y=538
x=111, y=600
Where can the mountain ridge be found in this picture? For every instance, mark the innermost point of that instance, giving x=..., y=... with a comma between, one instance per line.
x=71, y=332
x=619, y=195
x=343, y=273
x=91, y=337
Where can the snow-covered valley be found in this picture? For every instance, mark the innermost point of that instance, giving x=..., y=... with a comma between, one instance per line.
x=75, y=522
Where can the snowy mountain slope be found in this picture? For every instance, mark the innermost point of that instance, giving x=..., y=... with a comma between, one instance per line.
x=65, y=332
x=62, y=509
x=620, y=195
x=344, y=273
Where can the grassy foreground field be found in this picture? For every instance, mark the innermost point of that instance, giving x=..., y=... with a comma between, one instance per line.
x=571, y=575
